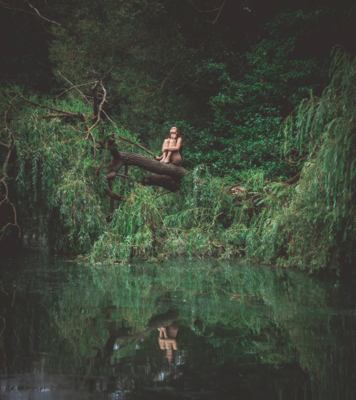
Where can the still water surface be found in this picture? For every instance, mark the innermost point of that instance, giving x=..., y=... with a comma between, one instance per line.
x=183, y=330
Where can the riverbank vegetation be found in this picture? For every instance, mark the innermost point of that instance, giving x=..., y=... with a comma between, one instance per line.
x=269, y=134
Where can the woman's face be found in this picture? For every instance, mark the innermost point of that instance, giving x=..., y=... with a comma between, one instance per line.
x=173, y=132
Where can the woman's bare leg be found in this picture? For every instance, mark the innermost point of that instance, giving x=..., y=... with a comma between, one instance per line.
x=168, y=142
x=167, y=159
x=163, y=158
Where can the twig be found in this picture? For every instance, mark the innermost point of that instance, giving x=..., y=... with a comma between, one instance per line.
x=4, y=177
x=204, y=11
x=74, y=87
x=42, y=16
x=166, y=78
x=135, y=144
x=4, y=325
x=4, y=145
x=126, y=177
x=6, y=113
x=88, y=130
x=114, y=196
x=100, y=108
x=8, y=7
x=13, y=297
x=219, y=12
x=56, y=110
x=54, y=115
x=163, y=194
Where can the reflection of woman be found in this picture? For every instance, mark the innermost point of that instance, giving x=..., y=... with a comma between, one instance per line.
x=167, y=340
x=171, y=147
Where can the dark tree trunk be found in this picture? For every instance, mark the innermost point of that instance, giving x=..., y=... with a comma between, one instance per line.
x=165, y=175
x=162, y=180
x=154, y=166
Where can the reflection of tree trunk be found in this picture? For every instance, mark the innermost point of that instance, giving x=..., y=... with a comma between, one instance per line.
x=164, y=319
x=172, y=331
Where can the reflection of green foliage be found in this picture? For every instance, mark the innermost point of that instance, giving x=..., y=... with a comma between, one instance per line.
x=244, y=313
x=234, y=315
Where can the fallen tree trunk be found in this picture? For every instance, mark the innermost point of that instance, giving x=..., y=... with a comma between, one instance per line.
x=165, y=175
x=164, y=181
x=154, y=166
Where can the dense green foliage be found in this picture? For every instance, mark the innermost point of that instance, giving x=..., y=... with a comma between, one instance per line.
x=228, y=93
x=270, y=150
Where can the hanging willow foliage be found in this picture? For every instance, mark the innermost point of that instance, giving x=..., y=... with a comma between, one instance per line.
x=316, y=227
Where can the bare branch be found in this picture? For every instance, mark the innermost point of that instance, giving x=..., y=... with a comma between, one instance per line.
x=108, y=117
x=5, y=188
x=100, y=107
x=113, y=195
x=75, y=87
x=5, y=196
x=55, y=115
x=167, y=78
x=42, y=16
x=6, y=113
x=134, y=143
x=56, y=110
x=11, y=8
x=3, y=229
x=219, y=12
x=3, y=326
x=4, y=145
x=204, y=11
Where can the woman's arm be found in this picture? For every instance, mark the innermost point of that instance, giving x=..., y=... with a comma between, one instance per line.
x=177, y=147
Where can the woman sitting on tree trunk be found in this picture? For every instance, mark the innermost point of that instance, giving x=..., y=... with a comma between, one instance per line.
x=171, y=147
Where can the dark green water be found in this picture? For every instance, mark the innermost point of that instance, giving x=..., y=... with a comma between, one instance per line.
x=184, y=330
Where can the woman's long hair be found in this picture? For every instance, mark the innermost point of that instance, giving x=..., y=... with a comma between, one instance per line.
x=179, y=133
